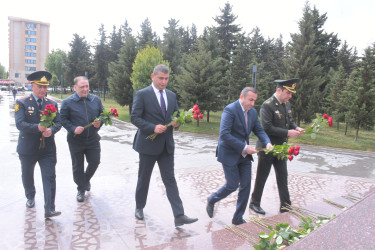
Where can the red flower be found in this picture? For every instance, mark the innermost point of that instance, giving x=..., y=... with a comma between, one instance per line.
x=45, y=112
x=291, y=150
x=297, y=147
x=197, y=111
x=325, y=116
x=290, y=157
x=195, y=107
x=296, y=152
x=330, y=121
x=200, y=116
x=195, y=117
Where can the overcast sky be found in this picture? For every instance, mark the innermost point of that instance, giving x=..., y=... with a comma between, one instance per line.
x=351, y=20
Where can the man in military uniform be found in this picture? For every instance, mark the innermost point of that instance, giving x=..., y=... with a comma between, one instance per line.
x=278, y=123
x=28, y=112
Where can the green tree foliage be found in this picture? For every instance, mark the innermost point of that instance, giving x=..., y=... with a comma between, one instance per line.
x=189, y=39
x=3, y=74
x=144, y=65
x=347, y=57
x=115, y=43
x=201, y=80
x=147, y=37
x=361, y=92
x=303, y=64
x=101, y=61
x=227, y=31
x=54, y=64
x=120, y=72
x=172, y=45
x=79, y=59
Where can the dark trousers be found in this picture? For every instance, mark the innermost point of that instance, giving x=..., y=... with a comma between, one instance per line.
x=264, y=167
x=166, y=166
x=78, y=153
x=47, y=163
x=238, y=176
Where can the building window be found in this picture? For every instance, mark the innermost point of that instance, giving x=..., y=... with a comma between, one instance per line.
x=33, y=47
x=27, y=68
x=31, y=40
x=17, y=75
x=31, y=25
x=29, y=61
x=30, y=32
x=31, y=54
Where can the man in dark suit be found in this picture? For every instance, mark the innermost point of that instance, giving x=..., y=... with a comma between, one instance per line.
x=28, y=112
x=234, y=152
x=153, y=106
x=277, y=121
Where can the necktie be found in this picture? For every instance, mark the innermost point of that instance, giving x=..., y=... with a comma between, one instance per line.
x=40, y=104
x=246, y=119
x=162, y=103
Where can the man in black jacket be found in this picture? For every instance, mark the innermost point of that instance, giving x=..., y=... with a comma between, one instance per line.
x=153, y=106
x=77, y=111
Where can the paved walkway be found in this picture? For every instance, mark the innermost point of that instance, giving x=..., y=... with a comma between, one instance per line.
x=106, y=219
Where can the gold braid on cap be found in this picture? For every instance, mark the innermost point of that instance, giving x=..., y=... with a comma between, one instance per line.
x=291, y=89
x=43, y=81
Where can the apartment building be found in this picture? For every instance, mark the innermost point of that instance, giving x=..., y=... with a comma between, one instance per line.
x=28, y=48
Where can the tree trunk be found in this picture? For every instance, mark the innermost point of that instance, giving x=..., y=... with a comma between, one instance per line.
x=130, y=109
x=346, y=128
x=198, y=122
x=208, y=116
x=338, y=126
x=356, y=134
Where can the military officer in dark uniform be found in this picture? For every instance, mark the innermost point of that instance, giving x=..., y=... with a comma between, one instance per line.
x=278, y=123
x=28, y=112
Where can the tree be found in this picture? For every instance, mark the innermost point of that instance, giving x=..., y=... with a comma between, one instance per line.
x=101, y=62
x=172, y=45
x=147, y=37
x=120, y=72
x=302, y=64
x=201, y=80
x=79, y=59
x=54, y=63
x=2, y=72
x=189, y=39
x=227, y=31
x=361, y=93
x=115, y=43
x=144, y=65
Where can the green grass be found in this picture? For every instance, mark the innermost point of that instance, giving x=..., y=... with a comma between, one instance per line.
x=328, y=137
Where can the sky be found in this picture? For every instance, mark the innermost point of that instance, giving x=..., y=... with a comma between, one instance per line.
x=348, y=19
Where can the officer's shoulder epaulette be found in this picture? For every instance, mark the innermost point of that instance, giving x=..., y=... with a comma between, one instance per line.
x=268, y=101
x=23, y=98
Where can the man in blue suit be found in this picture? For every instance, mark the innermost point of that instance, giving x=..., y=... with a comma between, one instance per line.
x=234, y=152
x=154, y=106
x=28, y=112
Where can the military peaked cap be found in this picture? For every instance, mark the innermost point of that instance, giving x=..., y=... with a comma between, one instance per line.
x=40, y=77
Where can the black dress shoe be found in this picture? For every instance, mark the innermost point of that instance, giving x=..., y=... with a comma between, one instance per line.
x=51, y=214
x=139, y=213
x=257, y=209
x=183, y=219
x=88, y=186
x=210, y=209
x=81, y=196
x=30, y=203
x=238, y=222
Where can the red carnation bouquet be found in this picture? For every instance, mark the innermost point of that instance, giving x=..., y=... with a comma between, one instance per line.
x=318, y=123
x=46, y=120
x=284, y=151
x=184, y=117
x=105, y=117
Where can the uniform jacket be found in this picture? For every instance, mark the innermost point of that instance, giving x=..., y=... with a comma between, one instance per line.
x=27, y=117
x=276, y=120
x=233, y=133
x=77, y=111
x=146, y=114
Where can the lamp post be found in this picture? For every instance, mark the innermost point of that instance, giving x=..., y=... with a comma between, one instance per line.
x=254, y=76
x=61, y=86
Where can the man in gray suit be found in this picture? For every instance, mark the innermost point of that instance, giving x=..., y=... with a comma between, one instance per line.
x=153, y=106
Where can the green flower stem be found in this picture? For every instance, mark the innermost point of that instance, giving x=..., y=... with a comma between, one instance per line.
x=335, y=204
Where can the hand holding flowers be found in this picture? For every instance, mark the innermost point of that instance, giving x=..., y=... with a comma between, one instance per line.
x=105, y=117
x=46, y=121
x=284, y=151
x=177, y=120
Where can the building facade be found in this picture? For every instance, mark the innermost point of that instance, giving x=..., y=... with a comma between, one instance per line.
x=28, y=48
